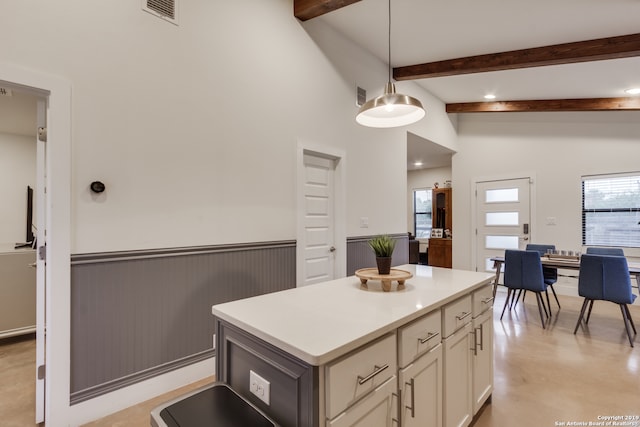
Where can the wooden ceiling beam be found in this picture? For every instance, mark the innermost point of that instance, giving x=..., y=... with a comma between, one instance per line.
x=307, y=9
x=586, y=104
x=566, y=53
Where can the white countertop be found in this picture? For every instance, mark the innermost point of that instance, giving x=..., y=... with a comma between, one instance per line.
x=321, y=322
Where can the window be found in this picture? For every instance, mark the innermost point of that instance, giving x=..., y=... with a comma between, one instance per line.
x=422, y=212
x=611, y=210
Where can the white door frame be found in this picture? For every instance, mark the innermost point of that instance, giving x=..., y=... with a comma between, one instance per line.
x=474, y=223
x=41, y=272
x=58, y=221
x=340, y=206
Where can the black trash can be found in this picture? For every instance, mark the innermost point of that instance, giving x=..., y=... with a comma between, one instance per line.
x=215, y=405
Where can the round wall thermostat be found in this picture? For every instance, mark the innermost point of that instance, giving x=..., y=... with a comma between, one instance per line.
x=97, y=187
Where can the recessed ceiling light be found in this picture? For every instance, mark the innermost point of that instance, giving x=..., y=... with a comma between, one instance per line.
x=633, y=91
x=489, y=96
x=417, y=164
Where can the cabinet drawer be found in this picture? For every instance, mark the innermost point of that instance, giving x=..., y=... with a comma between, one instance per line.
x=419, y=337
x=456, y=314
x=359, y=373
x=375, y=410
x=482, y=300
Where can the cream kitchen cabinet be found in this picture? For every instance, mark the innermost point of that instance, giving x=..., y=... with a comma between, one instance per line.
x=360, y=381
x=421, y=390
x=420, y=374
x=377, y=409
x=457, y=327
x=458, y=410
x=482, y=347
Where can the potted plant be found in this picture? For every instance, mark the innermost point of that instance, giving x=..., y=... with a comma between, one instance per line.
x=383, y=247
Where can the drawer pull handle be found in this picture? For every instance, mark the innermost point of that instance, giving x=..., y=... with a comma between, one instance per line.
x=430, y=336
x=487, y=300
x=463, y=315
x=377, y=370
x=413, y=401
x=481, y=336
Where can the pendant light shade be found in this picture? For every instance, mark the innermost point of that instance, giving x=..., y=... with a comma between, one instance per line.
x=390, y=109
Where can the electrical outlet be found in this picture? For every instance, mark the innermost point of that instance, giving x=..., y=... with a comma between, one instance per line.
x=259, y=386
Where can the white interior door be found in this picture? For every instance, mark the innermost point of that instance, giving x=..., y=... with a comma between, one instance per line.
x=40, y=208
x=319, y=220
x=503, y=211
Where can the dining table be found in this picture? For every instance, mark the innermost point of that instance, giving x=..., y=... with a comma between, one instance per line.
x=560, y=262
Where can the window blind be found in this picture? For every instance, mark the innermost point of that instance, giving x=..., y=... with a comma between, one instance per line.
x=611, y=210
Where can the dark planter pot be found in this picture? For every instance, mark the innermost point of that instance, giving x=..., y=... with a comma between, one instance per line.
x=384, y=264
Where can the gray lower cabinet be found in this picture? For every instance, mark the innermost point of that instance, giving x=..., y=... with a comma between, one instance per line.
x=293, y=383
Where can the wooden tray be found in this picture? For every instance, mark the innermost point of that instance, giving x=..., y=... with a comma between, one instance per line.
x=395, y=275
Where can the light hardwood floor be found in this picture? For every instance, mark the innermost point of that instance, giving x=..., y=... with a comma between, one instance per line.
x=543, y=377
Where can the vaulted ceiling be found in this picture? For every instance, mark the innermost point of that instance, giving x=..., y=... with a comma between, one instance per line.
x=572, y=55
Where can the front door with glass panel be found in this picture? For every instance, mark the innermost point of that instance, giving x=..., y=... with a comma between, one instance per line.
x=503, y=213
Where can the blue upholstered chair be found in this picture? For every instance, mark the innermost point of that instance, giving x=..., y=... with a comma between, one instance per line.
x=523, y=271
x=550, y=274
x=606, y=277
x=605, y=251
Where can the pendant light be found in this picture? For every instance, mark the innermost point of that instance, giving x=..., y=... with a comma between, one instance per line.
x=390, y=109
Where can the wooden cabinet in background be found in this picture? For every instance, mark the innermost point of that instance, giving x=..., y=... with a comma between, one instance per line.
x=440, y=253
x=441, y=209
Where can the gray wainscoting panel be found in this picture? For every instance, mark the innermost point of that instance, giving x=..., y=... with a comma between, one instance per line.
x=360, y=255
x=141, y=313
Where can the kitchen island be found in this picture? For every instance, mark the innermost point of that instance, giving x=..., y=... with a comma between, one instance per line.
x=342, y=353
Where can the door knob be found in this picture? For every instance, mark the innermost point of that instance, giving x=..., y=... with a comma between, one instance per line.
x=332, y=249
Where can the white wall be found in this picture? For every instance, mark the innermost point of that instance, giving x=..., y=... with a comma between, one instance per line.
x=17, y=171
x=558, y=148
x=194, y=130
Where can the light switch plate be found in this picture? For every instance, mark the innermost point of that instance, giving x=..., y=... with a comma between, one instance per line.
x=259, y=386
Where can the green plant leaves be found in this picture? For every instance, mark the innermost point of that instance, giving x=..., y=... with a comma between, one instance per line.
x=382, y=246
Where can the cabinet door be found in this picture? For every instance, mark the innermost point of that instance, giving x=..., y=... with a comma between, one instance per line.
x=458, y=378
x=378, y=409
x=483, y=359
x=421, y=386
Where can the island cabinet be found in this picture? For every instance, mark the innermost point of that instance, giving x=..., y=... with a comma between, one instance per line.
x=361, y=387
x=420, y=374
x=482, y=346
x=336, y=354
x=457, y=343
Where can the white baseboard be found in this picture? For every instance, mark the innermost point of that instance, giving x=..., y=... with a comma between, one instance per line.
x=118, y=400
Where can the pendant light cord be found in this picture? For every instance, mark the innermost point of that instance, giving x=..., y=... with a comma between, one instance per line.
x=389, y=27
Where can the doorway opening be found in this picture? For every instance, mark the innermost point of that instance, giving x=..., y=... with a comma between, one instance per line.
x=54, y=108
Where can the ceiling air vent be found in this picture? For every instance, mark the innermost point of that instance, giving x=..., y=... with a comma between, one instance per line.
x=165, y=9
